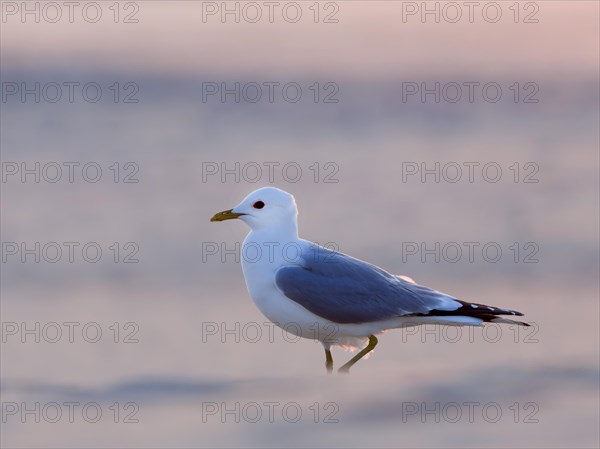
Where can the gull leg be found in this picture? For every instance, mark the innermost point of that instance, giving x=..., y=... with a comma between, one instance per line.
x=372, y=343
x=328, y=361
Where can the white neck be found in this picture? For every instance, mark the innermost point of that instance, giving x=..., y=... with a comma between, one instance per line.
x=282, y=232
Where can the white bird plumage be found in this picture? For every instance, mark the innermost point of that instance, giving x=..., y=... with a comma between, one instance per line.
x=316, y=293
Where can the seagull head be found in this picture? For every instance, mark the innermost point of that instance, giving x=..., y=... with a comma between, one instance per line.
x=267, y=207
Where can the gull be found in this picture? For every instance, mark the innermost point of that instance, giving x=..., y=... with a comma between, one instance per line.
x=317, y=293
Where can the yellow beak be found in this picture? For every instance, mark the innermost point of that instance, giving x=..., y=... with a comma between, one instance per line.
x=225, y=215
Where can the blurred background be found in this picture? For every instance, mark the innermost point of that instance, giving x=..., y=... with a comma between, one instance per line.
x=164, y=338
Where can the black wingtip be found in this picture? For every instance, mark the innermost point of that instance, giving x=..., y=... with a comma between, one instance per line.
x=475, y=310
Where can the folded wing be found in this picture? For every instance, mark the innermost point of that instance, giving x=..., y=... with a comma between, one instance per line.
x=343, y=289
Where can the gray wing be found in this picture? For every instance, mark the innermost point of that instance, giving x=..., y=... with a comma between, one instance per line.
x=343, y=289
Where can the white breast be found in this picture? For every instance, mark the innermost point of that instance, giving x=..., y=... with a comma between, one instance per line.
x=259, y=274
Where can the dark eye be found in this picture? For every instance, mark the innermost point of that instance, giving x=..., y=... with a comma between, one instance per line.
x=258, y=205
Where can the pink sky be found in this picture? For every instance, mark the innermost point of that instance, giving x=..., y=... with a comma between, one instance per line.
x=369, y=39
